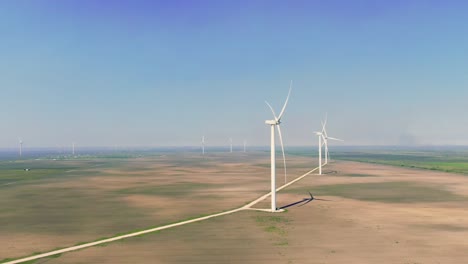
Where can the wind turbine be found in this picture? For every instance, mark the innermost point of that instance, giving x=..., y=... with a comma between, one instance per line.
x=276, y=123
x=203, y=145
x=320, y=144
x=20, y=146
x=326, y=138
x=73, y=148
x=230, y=144
x=244, y=144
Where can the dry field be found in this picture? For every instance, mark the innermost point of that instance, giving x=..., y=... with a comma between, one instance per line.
x=370, y=214
x=64, y=203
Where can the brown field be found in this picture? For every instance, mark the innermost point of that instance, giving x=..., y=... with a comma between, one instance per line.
x=62, y=208
x=370, y=214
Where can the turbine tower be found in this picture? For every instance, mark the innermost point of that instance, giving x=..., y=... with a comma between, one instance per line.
x=203, y=145
x=320, y=136
x=20, y=146
x=244, y=144
x=230, y=144
x=73, y=148
x=320, y=144
x=276, y=123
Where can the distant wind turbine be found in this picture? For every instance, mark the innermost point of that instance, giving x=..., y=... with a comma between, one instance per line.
x=230, y=144
x=276, y=123
x=326, y=138
x=322, y=136
x=20, y=146
x=203, y=145
x=244, y=144
x=73, y=148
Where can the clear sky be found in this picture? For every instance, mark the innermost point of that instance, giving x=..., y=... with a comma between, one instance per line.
x=164, y=73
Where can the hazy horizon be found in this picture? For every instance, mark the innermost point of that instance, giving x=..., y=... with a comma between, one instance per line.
x=164, y=74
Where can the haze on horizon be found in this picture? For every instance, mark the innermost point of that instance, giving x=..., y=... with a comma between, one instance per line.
x=160, y=73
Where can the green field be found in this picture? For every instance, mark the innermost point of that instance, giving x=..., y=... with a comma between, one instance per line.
x=47, y=169
x=454, y=161
x=176, y=189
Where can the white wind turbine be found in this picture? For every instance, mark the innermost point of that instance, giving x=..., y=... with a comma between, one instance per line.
x=20, y=146
x=230, y=144
x=326, y=138
x=73, y=148
x=322, y=135
x=276, y=123
x=245, y=143
x=320, y=144
x=203, y=145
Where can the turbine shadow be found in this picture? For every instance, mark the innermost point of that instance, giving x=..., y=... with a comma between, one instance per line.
x=303, y=201
x=292, y=204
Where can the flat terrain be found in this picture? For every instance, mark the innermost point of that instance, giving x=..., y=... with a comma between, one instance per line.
x=60, y=203
x=369, y=213
x=363, y=213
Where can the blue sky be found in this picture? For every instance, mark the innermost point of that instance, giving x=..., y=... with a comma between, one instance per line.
x=164, y=73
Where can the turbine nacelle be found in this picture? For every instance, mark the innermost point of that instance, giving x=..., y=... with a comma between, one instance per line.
x=273, y=122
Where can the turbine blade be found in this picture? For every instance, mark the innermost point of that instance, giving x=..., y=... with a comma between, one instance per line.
x=325, y=129
x=272, y=111
x=326, y=118
x=337, y=139
x=323, y=126
x=286, y=102
x=282, y=149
